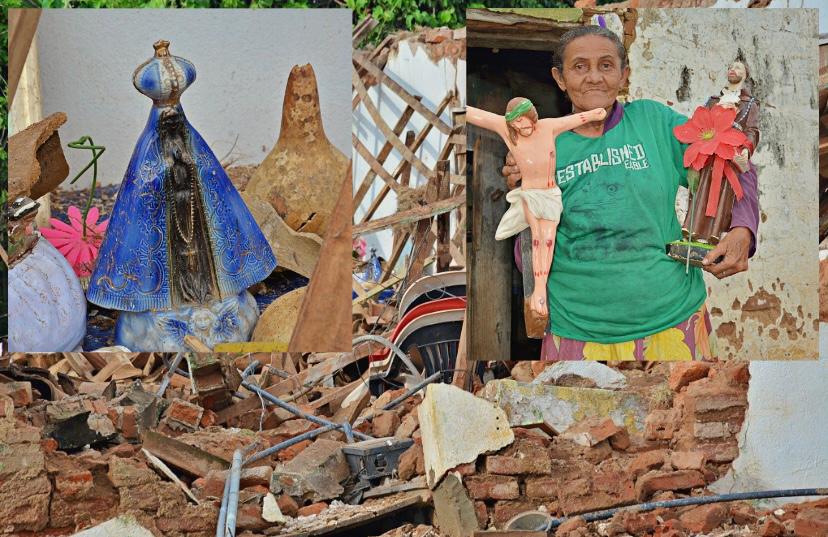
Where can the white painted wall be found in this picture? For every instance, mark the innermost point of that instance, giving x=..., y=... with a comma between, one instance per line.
x=780, y=48
x=242, y=57
x=782, y=443
x=411, y=67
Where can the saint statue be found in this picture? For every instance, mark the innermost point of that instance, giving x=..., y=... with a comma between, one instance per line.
x=536, y=204
x=711, y=202
x=181, y=248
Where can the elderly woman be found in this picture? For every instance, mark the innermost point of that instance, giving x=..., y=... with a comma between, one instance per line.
x=613, y=293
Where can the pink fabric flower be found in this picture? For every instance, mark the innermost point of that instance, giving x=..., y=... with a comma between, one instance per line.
x=80, y=251
x=360, y=247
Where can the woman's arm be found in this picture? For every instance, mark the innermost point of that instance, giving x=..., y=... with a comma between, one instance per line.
x=567, y=123
x=487, y=120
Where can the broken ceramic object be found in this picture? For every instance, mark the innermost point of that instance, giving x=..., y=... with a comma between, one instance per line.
x=37, y=164
x=302, y=175
x=181, y=248
x=44, y=291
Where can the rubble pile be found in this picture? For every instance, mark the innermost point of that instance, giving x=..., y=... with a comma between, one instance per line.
x=688, y=439
x=76, y=453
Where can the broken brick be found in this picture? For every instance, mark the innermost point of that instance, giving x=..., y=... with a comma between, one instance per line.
x=683, y=373
x=704, y=518
x=287, y=505
x=571, y=524
x=541, y=487
x=411, y=463
x=482, y=513
x=182, y=415
x=649, y=460
x=385, y=424
x=812, y=523
x=661, y=424
x=688, y=460
x=522, y=457
x=505, y=510
x=290, y=452
x=492, y=487
x=312, y=509
x=592, y=431
x=771, y=528
x=19, y=392
x=655, y=481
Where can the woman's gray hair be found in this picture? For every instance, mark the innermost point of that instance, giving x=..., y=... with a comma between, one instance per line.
x=568, y=37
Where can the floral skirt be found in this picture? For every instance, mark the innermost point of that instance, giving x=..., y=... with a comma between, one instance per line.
x=689, y=340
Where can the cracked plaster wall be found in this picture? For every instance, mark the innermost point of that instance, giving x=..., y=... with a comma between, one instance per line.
x=782, y=442
x=679, y=57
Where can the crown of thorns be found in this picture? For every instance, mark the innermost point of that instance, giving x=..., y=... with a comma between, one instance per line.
x=519, y=110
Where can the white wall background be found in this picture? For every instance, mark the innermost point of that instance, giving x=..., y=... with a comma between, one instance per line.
x=242, y=58
x=782, y=443
x=780, y=46
x=412, y=68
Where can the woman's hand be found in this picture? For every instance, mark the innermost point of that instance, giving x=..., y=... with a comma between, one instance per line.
x=511, y=172
x=734, y=247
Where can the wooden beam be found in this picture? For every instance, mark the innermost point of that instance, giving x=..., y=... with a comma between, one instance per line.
x=404, y=164
x=409, y=99
x=366, y=182
x=22, y=28
x=386, y=130
x=412, y=215
x=376, y=166
x=324, y=320
x=444, y=219
x=299, y=381
x=462, y=375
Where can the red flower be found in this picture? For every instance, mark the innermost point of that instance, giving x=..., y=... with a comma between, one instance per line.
x=80, y=251
x=711, y=136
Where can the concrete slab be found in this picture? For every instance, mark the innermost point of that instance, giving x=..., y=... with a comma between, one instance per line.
x=561, y=407
x=456, y=427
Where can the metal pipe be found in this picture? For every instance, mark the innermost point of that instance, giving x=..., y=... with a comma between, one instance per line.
x=222, y=519
x=170, y=372
x=250, y=369
x=293, y=410
x=233, y=494
x=398, y=351
x=413, y=390
x=403, y=397
x=287, y=443
x=681, y=502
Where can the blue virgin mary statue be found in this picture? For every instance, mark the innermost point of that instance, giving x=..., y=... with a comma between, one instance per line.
x=181, y=248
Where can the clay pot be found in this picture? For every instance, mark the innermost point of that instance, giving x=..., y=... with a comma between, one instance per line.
x=302, y=175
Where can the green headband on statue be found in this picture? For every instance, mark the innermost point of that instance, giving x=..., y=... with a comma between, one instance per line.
x=519, y=110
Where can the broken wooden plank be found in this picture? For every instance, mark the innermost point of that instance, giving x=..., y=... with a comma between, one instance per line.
x=462, y=374
x=22, y=28
x=404, y=164
x=374, y=164
x=412, y=215
x=380, y=123
x=409, y=99
x=444, y=219
x=384, y=151
x=183, y=456
x=301, y=380
x=323, y=323
x=164, y=469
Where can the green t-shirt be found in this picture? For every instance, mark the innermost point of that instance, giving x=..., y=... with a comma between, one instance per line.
x=611, y=279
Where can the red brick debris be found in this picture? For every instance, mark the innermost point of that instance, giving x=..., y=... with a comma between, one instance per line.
x=80, y=448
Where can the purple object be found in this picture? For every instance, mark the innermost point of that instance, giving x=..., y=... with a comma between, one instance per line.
x=601, y=22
